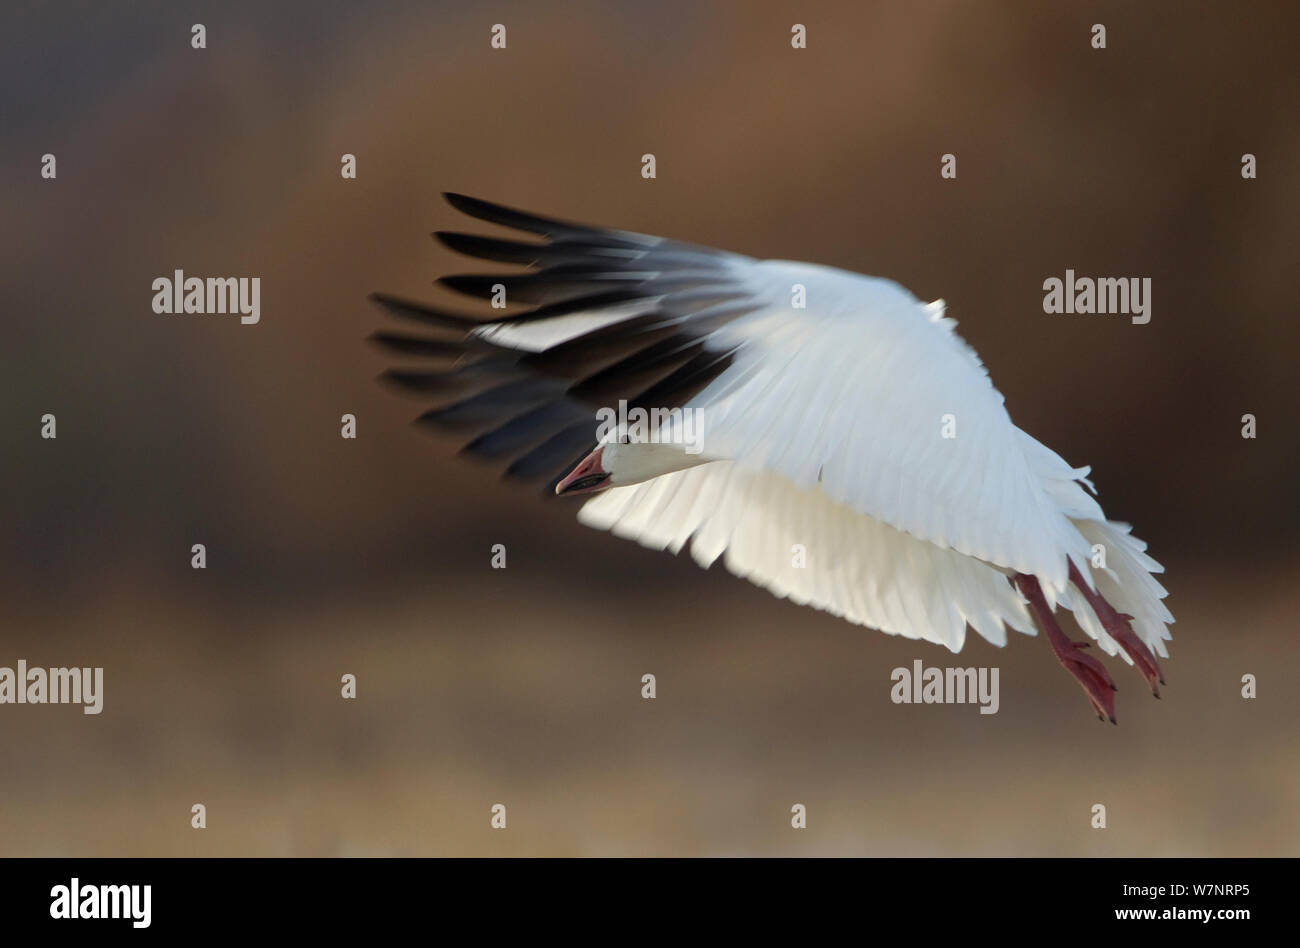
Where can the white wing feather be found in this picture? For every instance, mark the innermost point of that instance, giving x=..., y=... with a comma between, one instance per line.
x=858, y=392
x=856, y=567
x=832, y=419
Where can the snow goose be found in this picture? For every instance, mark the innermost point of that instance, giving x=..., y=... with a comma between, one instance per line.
x=849, y=450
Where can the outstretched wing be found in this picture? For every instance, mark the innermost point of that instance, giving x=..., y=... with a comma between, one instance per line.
x=870, y=396
x=800, y=544
x=612, y=315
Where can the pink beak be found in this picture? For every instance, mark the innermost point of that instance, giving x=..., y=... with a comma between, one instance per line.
x=589, y=476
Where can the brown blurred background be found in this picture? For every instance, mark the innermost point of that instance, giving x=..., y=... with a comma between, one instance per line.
x=521, y=686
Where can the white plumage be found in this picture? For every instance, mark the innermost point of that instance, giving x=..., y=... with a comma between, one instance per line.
x=859, y=427
x=830, y=420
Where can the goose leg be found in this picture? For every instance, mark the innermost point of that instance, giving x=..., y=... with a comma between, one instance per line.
x=1087, y=671
x=1117, y=624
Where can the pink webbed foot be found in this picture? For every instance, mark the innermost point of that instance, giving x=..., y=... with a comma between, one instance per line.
x=1086, y=670
x=1117, y=625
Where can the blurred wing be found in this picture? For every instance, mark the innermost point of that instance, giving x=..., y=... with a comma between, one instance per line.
x=800, y=544
x=613, y=315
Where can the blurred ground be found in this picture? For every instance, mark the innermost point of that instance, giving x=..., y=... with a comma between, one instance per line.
x=522, y=687
x=760, y=706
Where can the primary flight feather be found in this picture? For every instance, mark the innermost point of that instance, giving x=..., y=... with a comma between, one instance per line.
x=798, y=408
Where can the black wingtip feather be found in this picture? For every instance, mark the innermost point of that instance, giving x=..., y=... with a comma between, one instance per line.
x=417, y=345
x=422, y=312
x=492, y=248
x=543, y=422
x=556, y=285
x=508, y=216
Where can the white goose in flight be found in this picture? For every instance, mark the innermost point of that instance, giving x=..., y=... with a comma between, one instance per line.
x=850, y=454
